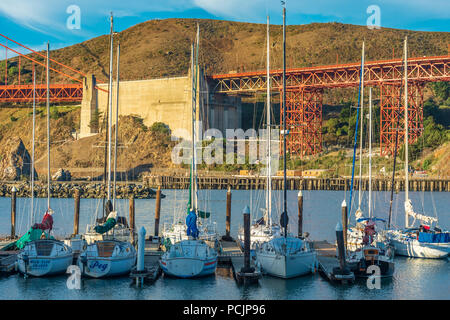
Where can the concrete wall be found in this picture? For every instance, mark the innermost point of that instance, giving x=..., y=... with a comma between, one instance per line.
x=88, y=107
x=167, y=100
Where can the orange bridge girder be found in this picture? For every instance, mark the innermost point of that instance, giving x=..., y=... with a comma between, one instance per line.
x=425, y=69
x=392, y=115
x=304, y=96
x=303, y=120
x=58, y=93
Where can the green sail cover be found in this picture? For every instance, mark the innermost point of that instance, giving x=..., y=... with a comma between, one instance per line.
x=108, y=225
x=31, y=235
x=203, y=214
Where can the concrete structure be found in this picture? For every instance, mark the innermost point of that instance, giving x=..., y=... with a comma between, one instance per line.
x=89, y=108
x=167, y=100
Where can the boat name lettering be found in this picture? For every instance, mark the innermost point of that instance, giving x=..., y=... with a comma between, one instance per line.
x=96, y=264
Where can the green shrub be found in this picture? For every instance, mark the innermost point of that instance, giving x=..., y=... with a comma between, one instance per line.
x=160, y=127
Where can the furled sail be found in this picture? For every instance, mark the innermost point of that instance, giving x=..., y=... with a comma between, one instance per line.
x=191, y=223
x=410, y=211
x=111, y=221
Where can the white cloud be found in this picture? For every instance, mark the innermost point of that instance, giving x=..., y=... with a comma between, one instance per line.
x=256, y=10
x=49, y=16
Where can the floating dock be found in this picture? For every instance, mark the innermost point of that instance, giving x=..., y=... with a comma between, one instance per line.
x=328, y=264
x=8, y=259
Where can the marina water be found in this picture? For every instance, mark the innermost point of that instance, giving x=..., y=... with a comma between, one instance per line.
x=413, y=278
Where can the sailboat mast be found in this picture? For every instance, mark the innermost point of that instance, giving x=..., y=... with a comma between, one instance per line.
x=110, y=107
x=406, y=128
x=362, y=126
x=284, y=123
x=195, y=115
x=356, y=133
x=32, y=147
x=48, y=126
x=117, y=127
x=193, y=130
x=370, y=152
x=269, y=135
x=395, y=157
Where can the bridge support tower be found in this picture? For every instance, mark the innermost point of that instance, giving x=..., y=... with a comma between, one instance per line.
x=303, y=120
x=392, y=115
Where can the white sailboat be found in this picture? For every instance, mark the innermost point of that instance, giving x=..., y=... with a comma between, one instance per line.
x=264, y=229
x=105, y=255
x=426, y=241
x=41, y=254
x=285, y=256
x=373, y=249
x=177, y=231
x=191, y=257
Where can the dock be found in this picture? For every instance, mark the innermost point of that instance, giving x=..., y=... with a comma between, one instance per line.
x=8, y=259
x=328, y=264
x=255, y=182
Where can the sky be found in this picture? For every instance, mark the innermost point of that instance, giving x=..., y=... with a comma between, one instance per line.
x=66, y=22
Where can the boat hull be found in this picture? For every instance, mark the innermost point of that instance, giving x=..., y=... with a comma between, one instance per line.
x=106, y=267
x=183, y=267
x=286, y=266
x=416, y=249
x=40, y=266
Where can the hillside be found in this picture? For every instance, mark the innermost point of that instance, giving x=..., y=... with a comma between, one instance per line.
x=160, y=48
x=139, y=146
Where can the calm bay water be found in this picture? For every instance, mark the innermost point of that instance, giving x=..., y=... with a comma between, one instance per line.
x=413, y=278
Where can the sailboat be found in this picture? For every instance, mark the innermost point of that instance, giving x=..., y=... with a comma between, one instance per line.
x=285, y=256
x=425, y=241
x=177, y=231
x=264, y=229
x=374, y=249
x=191, y=257
x=41, y=254
x=107, y=256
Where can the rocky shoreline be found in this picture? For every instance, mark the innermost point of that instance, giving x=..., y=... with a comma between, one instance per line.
x=87, y=190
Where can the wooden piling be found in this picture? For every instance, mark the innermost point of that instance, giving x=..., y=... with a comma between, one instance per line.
x=340, y=243
x=157, y=210
x=300, y=214
x=344, y=222
x=76, y=217
x=246, y=215
x=227, y=236
x=13, y=212
x=132, y=223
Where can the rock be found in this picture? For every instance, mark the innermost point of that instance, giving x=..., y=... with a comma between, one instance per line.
x=62, y=175
x=15, y=161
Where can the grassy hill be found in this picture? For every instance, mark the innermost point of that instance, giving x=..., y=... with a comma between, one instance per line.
x=160, y=48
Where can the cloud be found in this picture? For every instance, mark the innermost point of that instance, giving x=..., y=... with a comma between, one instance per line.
x=354, y=10
x=45, y=15
x=49, y=16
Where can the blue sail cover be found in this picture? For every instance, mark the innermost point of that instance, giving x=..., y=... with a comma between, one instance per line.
x=434, y=237
x=191, y=223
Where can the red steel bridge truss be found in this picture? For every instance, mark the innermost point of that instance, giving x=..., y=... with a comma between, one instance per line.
x=13, y=91
x=304, y=92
